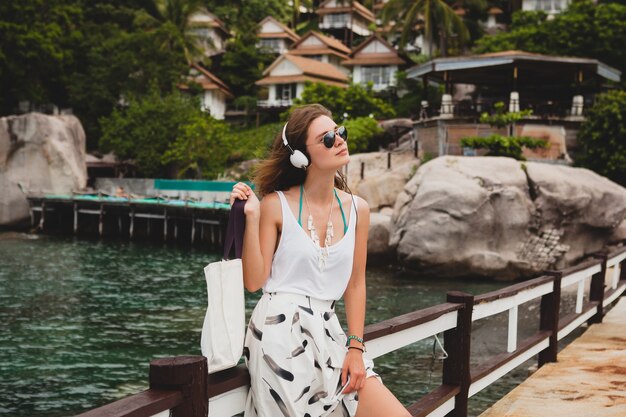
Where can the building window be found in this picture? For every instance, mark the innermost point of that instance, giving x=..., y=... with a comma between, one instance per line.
x=272, y=44
x=286, y=91
x=203, y=33
x=376, y=75
x=336, y=19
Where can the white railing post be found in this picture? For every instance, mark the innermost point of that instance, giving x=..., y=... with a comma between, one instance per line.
x=512, y=340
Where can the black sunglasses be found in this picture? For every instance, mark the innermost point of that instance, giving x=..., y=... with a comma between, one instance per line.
x=330, y=136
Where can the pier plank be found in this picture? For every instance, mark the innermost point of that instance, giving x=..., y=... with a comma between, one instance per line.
x=589, y=378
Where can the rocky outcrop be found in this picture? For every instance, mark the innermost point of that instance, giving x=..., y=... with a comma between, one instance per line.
x=498, y=217
x=378, y=251
x=38, y=154
x=380, y=185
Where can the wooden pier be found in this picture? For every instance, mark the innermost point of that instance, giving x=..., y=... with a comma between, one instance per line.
x=166, y=216
x=589, y=379
x=598, y=283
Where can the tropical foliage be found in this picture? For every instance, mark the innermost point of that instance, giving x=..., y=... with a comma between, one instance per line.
x=354, y=101
x=439, y=21
x=602, y=138
x=361, y=134
x=171, y=21
x=584, y=29
x=146, y=129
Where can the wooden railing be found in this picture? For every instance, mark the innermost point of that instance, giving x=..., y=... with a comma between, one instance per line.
x=180, y=386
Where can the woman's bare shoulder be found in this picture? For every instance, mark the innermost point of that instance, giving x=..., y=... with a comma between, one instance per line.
x=270, y=201
x=349, y=198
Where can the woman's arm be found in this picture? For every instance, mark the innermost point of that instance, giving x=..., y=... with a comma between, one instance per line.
x=260, y=236
x=354, y=299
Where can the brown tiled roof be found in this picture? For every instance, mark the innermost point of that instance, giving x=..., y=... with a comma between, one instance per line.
x=286, y=33
x=311, y=68
x=508, y=53
x=331, y=42
x=354, y=6
x=215, y=22
x=317, y=51
x=208, y=81
x=288, y=79
x=358, y=57
x=378, y=59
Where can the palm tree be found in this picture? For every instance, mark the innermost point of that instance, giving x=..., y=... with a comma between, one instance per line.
x=171, y=18
x=438, y=18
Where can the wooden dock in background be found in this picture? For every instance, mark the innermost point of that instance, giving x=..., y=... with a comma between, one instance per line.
x=589, y=379
x=178, y=210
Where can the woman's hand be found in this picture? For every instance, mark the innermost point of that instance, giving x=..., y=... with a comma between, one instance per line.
x=353, y=366
x=243, y=191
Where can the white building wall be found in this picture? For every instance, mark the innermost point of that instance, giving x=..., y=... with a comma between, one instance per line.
x=285, y=68
x=299, y=90
x=312, y=41
x=214, y=103
x=551, y=7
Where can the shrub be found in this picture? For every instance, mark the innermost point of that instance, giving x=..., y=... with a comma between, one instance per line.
x=602, y=137
x=361, y=132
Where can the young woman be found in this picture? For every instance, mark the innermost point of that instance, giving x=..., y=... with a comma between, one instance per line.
x=305, y=244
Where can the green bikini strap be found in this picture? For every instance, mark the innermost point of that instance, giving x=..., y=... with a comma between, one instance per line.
x=343, y=216
x=300, y=209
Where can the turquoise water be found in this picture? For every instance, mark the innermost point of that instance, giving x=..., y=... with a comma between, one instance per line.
x=80, y=321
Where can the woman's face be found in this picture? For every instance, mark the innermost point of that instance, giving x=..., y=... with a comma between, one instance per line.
x=322, y=157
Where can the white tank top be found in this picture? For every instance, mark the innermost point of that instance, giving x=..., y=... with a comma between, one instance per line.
x=295, y=267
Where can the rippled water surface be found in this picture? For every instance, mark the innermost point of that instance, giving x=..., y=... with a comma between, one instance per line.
x=80, y=321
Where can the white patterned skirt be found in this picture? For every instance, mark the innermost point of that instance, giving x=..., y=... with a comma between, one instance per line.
x=294, y=350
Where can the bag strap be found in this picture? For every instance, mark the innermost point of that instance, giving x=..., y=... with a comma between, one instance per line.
x=235, y=229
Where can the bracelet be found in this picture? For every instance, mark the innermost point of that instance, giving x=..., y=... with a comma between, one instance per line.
x=357, y=348
x=357, y=338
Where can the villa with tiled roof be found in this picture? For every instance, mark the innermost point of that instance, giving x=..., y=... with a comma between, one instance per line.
x=374, y=61
x=211, y=31
x=275, y=36
x=346, y=20
x=317, y=46
x=216, y=92
x=286, y=77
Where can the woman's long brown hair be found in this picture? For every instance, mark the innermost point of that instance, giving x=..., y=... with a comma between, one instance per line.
x=276, y=173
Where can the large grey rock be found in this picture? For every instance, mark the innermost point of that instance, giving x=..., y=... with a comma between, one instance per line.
x=502, y=218
x=38, y=154
x=380, y=186
x=378, y=239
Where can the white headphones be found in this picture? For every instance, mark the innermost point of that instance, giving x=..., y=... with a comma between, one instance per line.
x=297, y=158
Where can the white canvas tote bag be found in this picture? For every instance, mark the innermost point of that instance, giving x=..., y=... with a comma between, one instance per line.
x=224, y=323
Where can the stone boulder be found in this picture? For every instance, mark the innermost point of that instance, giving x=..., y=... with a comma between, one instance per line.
x=380, y=186
x=38, y=154
x=502, y=218
x=378, y=251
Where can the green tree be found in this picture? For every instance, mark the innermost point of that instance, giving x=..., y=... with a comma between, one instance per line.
x=243, y=64
x=38, y=41
x=352, y=102
x=146, y=129
x=118, y=64
x=201, y=150
x=244, y=15
x=171, y=21
x=439, y=20
x=602, y=137
x=585, y=29
x=361, y=133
